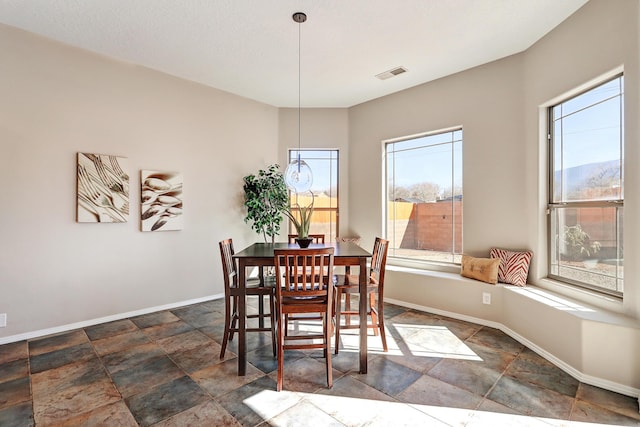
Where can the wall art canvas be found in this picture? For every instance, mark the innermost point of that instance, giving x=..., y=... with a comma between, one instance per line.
x=102, y=188
x=161, y=200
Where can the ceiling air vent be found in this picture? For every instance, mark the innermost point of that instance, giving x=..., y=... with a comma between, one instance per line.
x=391, y=73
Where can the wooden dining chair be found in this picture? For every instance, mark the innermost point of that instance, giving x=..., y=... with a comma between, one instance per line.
x=349, y=284
x=301, y=293
x=232, y=293
x=317, y=238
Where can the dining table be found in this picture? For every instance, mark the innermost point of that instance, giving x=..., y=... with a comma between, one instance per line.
x=260, y=255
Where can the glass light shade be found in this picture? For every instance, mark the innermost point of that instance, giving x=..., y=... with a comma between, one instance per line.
x=298, y=176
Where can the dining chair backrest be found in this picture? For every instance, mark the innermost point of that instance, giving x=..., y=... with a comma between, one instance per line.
x=378, y=261
x=229, y=270
x=317, y=238
x=305, y=272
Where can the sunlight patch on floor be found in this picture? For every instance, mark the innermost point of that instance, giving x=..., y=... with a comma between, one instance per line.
x=417, y=340
x=356, y=411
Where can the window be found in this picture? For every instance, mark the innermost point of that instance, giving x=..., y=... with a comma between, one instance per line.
x=324, y=166
x=586, y=189
x=423, y=189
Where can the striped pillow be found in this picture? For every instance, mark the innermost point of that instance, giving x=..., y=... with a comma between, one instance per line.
x=514, y=266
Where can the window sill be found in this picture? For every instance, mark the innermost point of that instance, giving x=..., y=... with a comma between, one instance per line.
x=603, y=301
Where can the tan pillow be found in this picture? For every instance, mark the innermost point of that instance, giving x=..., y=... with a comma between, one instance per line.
x=484, y=269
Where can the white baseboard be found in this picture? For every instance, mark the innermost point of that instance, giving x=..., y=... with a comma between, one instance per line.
x=587, y=379
x=114, y=317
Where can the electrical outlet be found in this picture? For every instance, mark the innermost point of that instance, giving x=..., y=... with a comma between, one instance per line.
x=486, y=298
x=3, y=320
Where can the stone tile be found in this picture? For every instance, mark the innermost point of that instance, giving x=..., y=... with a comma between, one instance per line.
x=14, y=369
x=167, y=330
x=431, y=391
x=473, y=376
x=496, y=339
x=20, y=415
x=345, y=361
x=389, y=377
x=131, y=357
x=589, y=412
x=166, y=400
x=263, y=358
x=413, y=317
x=77, y=374
x=14, y=392
x=120, y=342
x=305, y=375
x=57, y=342
x=145, y=375
x=113, y=415
x=13, y=351
x=352, y=402
x=531, y=368
x=110, y=329
x=397, y=414
x=257, y=401
x=199, y=316
x=435, y=341
x=63, y=356
x=208, y=413
x=255, y=340
x=223, y=377
x=491, y=414
x=531, y=400
x=200, y=357
x=459, y=328
x=616, y=402
x=491, y=406
x=154, y=319
x=392, y=310
x=304, y=413
x=186, y=341
x=71, y=390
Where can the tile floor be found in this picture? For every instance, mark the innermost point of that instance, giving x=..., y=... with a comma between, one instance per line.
x=162, y=369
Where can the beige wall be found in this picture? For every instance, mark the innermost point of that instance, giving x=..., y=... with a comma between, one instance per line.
x=498, y=105
x=56, y=101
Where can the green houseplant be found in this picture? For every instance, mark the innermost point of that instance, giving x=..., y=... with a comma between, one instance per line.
x=578, y=243
x=266, y=199
x=301, y=219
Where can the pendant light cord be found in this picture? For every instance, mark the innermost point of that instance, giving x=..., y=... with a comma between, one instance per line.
x=299, y=88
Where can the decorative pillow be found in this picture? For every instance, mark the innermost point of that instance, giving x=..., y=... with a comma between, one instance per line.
x=514, y=266
x=484, y=269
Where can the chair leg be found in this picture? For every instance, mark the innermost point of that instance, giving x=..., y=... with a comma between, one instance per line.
x=338, y=305
x=327, y=348
x=374, y=313
x=280, y=377
x=272, y=319
x=383, y=334
x=234, y=317
x=347, y=307
x=260, y=311
x=227, y=321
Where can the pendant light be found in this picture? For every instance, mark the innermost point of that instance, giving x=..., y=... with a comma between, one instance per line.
x=298, y=175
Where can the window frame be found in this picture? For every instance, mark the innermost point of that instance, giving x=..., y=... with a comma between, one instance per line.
x=554, y=206
x=334, y=229
x=456, y=256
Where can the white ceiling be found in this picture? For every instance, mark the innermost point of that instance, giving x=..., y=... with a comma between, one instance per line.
x=250, y=47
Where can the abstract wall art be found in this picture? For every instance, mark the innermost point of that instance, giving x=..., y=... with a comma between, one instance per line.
x=161, y=200
x=102, y=188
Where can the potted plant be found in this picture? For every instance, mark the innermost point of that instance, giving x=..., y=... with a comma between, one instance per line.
x=301, y=219
x=578, y=244
x=266, y=198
